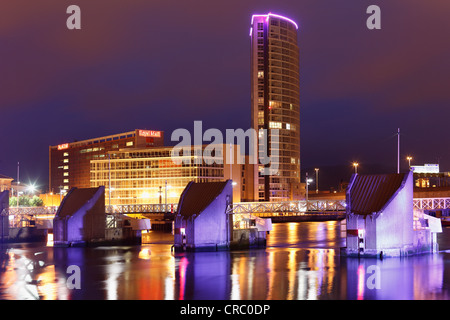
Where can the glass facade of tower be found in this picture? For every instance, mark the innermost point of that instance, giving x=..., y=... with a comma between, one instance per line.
x=276, y=102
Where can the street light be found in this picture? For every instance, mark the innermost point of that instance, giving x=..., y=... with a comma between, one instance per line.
x=31, y=188
x=356, y=164
x=167, y=187
x=409, y=158
x=317, y=180
x=307, y=181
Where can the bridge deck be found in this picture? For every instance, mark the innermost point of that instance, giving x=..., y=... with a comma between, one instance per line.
x=261, y=209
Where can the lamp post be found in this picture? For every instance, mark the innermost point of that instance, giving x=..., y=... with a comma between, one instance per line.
x=160, y=194
x=317, y=180
x=356, y=164
x=109, y=179
x=306, y=191
x=307, y=184
x=167, y=187
x=409, y=158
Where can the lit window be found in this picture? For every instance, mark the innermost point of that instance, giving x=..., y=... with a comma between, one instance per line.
x=275, y=125
x=129, y=143
x=66, y=154
x=66, y=167
x=66, y=180
x=66, y=160
x=261, y=133
x=293, y=160
x=260, y=74
x=288, y=126
x=66, y=174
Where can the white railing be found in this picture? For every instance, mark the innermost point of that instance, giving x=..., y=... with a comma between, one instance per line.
x=432, y=203
x=35, y=211
x=142, y=208
x=288, y=206
x=312, y=206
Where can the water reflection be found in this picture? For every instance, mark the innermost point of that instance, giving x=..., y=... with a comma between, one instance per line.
x=302, y=261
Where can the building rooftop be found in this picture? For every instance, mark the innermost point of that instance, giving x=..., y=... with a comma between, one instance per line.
x=5, y=177
x=370, y=193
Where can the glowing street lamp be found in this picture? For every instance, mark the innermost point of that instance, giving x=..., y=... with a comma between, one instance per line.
x=166, y=187
x=317, y=180
x=31, y=188
x=356, y=164
x=307, y=181
x=409, y=158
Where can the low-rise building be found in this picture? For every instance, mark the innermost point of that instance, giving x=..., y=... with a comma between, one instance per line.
x=5, y=183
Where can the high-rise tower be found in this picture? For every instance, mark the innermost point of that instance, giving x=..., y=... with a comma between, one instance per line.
x=275, y=98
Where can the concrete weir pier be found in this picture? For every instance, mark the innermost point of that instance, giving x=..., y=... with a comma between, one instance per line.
x=81, y=221
x=381, y=220
x=202, y=222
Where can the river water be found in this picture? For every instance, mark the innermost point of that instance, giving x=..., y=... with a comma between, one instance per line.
x=301, y=261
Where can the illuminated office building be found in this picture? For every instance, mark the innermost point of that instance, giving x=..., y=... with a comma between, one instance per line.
x=140, y=176
x=275, y=101
x=69, y=163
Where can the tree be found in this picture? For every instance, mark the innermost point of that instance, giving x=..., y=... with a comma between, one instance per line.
x=13, y=201
x=24, y=201
x=36, y=202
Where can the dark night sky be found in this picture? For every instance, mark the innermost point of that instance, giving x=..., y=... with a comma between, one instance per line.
x=163, y=64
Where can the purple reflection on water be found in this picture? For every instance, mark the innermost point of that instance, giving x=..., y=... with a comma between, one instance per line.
x=301, y=261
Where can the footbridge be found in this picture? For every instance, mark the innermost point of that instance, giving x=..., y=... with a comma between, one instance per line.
x=278, y=211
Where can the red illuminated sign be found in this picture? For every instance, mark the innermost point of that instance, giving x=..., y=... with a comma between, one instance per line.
x=63, y=146
x=149, y=133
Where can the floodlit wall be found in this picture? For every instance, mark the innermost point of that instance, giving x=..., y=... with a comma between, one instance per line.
x=210, y=228
x=394, y=225
x=80, y=219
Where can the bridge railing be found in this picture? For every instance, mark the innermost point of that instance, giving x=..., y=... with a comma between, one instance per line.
x=142, y=208
x=29, y=216
x=291, y=207
x=35, y=211
x=432, y=203
x=302, y=206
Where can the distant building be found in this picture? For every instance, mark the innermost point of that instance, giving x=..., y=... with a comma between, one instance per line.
x=275, y=102
x=429, y=176
x=69, y=163
x=5, y=183
x=381, y=220
x=140, y=176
